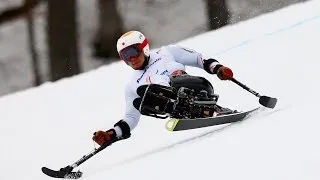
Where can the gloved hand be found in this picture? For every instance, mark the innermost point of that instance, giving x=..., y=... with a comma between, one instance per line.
x=224, y=73
x=102, y=137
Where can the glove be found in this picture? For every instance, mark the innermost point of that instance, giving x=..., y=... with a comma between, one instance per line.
x=224, y=73
x=102, y=137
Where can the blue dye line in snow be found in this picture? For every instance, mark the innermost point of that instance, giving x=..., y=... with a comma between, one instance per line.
x=269, y=34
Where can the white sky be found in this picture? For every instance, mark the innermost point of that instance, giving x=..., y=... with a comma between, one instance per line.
x=274, y=54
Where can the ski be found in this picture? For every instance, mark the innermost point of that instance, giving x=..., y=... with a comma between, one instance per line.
x=174, y=124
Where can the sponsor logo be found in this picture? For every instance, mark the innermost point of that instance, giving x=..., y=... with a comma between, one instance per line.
x=188, y=50
x=145, y=70
x=164, y=72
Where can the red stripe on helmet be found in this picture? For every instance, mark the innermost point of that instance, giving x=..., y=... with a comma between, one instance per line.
x=143, y=44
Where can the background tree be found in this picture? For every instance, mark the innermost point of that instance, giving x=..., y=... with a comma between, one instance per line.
x=12, y=13
x=62, y=32
x=32, y=46
x=109, y=30
x=25, y=10
x=218, y=14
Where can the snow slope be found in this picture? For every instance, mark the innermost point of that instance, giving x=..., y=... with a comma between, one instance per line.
x=274, y=54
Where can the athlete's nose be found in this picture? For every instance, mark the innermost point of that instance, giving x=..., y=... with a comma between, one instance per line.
x=133, y=59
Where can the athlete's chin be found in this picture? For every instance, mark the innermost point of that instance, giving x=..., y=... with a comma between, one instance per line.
x=135, y=66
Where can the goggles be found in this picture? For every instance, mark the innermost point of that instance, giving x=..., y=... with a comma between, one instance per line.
x=130, y=52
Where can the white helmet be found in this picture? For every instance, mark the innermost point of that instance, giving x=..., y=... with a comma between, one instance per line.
x=133, y=38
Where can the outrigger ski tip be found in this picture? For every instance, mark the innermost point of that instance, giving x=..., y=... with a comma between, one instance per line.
x=268, y=101
x=66, y=173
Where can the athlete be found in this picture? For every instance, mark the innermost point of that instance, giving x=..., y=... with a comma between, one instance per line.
x=153, y=67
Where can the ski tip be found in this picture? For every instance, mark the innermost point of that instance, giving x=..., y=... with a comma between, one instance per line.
x=171, y=124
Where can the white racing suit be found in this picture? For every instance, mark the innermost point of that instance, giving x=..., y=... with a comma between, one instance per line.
x=161, y=65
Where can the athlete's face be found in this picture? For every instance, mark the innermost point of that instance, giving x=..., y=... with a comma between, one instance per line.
x=136, y=62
